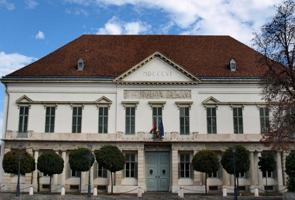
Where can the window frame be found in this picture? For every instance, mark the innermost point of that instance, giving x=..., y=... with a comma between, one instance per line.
x=50, y=119
x=23, y=119
x=185, y=165
x=184, y=120
x=211, y=119
x=103, y=119
x=264, y=119
x=77, y=119
x=131, y=165
x=130, y=117
x=238, y=120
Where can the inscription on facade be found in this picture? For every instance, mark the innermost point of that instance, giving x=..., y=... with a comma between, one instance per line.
x=159, y=74
x=157, y=94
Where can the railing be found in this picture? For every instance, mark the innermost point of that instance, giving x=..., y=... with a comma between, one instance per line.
x=138, y=137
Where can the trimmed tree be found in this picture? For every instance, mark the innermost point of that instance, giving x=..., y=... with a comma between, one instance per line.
x=238, y=161
x=110, y=158
x=267, y=163
x=18, y=162
x=205, y=161
x=290, y=170
x=50, y=163
x=81, y=160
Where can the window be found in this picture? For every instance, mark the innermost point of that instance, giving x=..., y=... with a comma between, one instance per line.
x=131, y=165
x=103, y=119
x=75, y=173
x=49, y=119
x=77, y=119
x=268, y=174
x=157, y=115
x=23, y=119
x=184, y=120
x=232, y=65
x=130, y=120
x=80, y=64
x=211, y=119
x=213, y=175
x=101, y=172
x=264, y=119
x=242, y=175
x=185, y=165
x=238, y=120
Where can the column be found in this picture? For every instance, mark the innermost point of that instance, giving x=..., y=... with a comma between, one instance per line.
x=91, y=177
x=63, y=174
x=279, y=171
x=174, y=166
x=141, y=169
x=285, y=176
x=259, y=173
x=253, y=172
x=35, y=173
x=225, y=178
x=54, y=184
x=198, y=178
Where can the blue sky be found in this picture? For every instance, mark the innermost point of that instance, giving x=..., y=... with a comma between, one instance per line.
x=31, y=29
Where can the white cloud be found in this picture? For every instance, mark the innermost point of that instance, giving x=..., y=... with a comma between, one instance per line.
x=116, y=27
x=10, y=62
x=40, y=35
x=6, y=4
x=31, y=4
x=214, y=17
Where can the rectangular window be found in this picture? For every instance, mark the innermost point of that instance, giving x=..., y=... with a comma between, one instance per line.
x=157, y=115
x=23, y=119
x=184, y=120
x=75, y=173
x=269, y=174
x=213, y=175
x=185, y=165
x=101, y=172
x=131, y=165
x=264, y=119
x=49, y=119
x=211, y=119
x=130, y=120
x=77, y=119
x=103, y=119
x=238, y=120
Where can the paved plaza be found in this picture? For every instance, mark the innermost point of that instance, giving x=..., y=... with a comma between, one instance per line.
x=146, y=196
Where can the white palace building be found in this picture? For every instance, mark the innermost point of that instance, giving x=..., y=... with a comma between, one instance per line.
x=100, y=89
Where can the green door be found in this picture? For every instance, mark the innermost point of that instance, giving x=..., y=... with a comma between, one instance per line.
x=157, y=171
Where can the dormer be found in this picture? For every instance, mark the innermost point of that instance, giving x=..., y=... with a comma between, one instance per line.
x=232, y=65
x=80, y=64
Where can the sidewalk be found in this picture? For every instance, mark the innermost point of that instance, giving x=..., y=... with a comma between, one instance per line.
x=146, y=196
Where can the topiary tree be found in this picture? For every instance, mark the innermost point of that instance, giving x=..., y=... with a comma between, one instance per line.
x=81, y=160
x=267, y=163
x=111, y=158
x=236, y=159
x=290, y=170
x=18, y=162
x=50, y=163
x=207, y=162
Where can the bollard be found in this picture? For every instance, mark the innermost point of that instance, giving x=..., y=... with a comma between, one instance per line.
x=31, y=191
x=256, y=192
x=95, y=191
x=180, y=193
x=139, y=192
x=224, y=192
x=62, y=191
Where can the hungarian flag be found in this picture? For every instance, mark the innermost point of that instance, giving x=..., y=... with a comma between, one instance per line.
x=154, y=129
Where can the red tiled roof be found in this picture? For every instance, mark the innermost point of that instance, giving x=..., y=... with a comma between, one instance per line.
x=110, y=56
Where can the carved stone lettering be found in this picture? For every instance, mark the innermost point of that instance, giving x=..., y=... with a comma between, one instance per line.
x=157, y=94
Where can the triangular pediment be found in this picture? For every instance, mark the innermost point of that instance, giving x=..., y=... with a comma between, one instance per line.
x=210, y=101
x=103, y=100
x=157, y=69
x=23, y=100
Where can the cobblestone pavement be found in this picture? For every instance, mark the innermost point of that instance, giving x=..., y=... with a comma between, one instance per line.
x=146, y=196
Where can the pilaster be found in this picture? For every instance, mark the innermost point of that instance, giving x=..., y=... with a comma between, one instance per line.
x=174, y=166
x=141, y=169
x=35, y=173
x=63, y=174
x=279, y=171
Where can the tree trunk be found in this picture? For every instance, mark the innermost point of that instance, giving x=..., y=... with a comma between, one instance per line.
x=111, y=182
x=38, y=182
x=206, y=183
x=50, y=183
